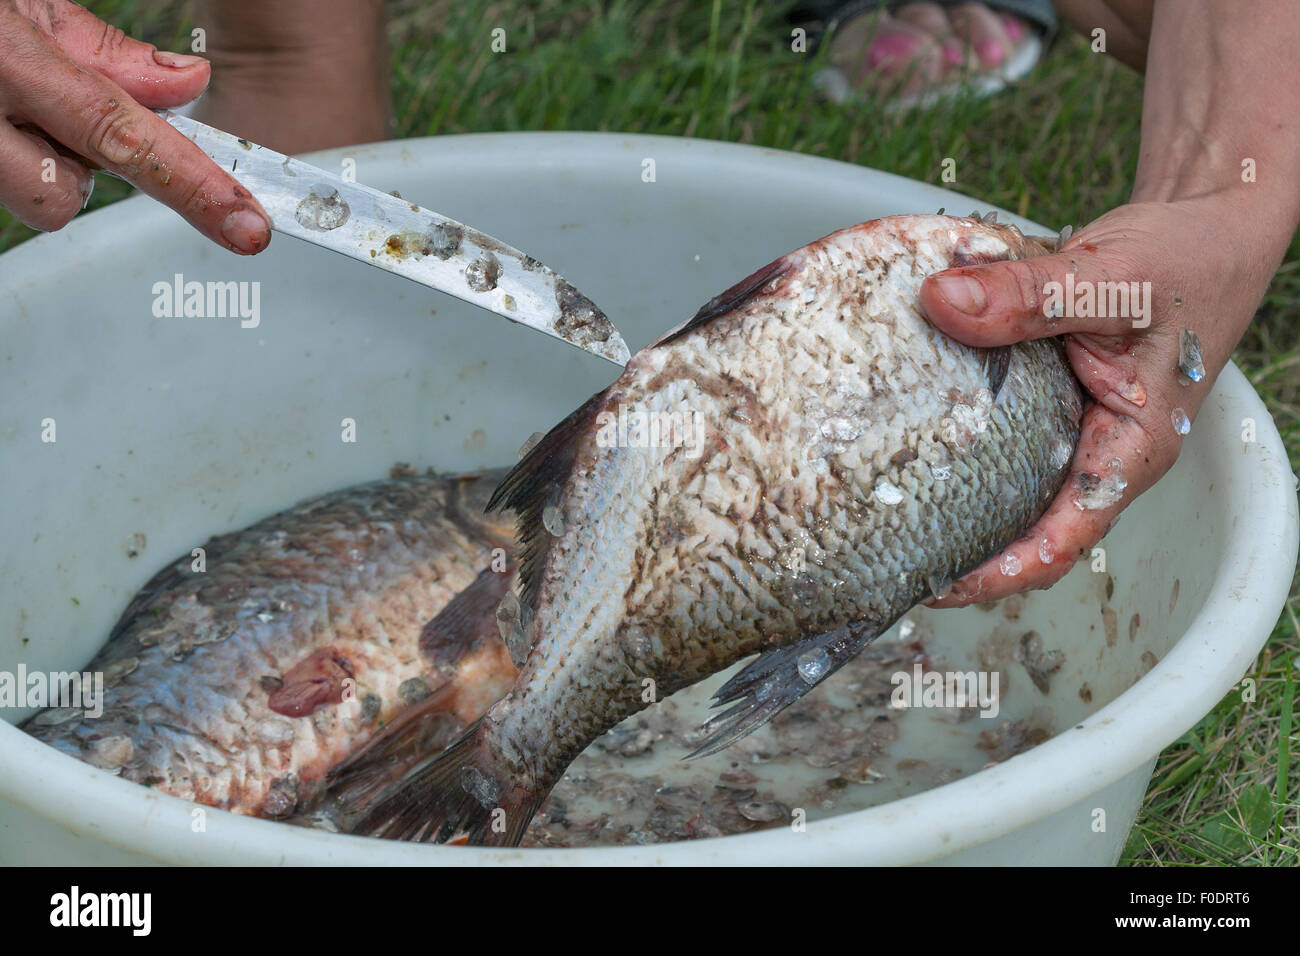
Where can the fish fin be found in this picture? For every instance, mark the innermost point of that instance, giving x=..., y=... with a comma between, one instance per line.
x=534, y=484
x=728, y=301
x=435, y=801
x=467, y=619
x=467, y=508
x=362, y=777
x=773, y=682
x=996, y=363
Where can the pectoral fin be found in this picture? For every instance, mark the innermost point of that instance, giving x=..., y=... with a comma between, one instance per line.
x=778, y=678
x=468, y=619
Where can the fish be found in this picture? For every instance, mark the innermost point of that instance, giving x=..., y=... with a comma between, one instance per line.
x=854, y=460
x=239, y=681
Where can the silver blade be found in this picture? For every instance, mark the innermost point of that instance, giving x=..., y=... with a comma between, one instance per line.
x=398, y=236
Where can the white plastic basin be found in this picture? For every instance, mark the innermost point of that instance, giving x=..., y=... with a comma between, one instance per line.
x=178, y=429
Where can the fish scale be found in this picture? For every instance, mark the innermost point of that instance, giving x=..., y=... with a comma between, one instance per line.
x=826, y=398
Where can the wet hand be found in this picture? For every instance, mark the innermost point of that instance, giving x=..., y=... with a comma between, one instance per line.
x=1194, y=264
x=77, y=94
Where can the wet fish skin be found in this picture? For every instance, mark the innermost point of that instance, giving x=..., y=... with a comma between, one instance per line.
x=227, y=686
x=812, y=520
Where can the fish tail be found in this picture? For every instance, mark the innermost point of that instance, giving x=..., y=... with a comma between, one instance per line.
x=460, y=791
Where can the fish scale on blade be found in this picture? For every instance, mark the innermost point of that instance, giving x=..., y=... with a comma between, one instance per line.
x=830, y=408
x=241, y=685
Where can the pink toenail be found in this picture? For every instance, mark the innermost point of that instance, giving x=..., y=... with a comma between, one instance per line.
x=953, y=53
x=990, y=52
x=1015, y=29
x=890, y=46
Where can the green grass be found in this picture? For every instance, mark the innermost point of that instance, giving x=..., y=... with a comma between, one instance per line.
x=1060, y=148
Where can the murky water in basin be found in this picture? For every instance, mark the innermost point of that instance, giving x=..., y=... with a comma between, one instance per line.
x=846, y=746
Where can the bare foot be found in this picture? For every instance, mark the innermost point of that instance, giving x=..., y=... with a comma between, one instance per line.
x=297, y=75
x=923, y=46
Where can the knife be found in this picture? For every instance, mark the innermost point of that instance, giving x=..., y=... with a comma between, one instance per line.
x=383, y=230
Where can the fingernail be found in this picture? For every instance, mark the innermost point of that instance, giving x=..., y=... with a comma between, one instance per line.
x=176, y=61
x=87, y=190
x=1133, y=392
x=962, y=293
x=246, y=230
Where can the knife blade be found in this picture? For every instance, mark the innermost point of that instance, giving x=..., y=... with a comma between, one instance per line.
x=388, y=232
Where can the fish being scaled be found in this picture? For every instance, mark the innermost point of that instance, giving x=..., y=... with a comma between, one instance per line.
x=853, y=461
x=239, y=685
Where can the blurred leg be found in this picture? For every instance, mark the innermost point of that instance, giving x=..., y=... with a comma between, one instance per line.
x=1127, y=24
x=922, y=45
x=297, y=75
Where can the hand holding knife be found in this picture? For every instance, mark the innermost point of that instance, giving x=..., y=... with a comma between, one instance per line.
x=398, y=236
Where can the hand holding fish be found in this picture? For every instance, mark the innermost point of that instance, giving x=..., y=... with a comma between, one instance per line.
x=76, y=94
x=1193, y=252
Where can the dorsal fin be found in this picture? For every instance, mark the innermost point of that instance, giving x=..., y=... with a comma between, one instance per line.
x=533, y=484
x=733, y=298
